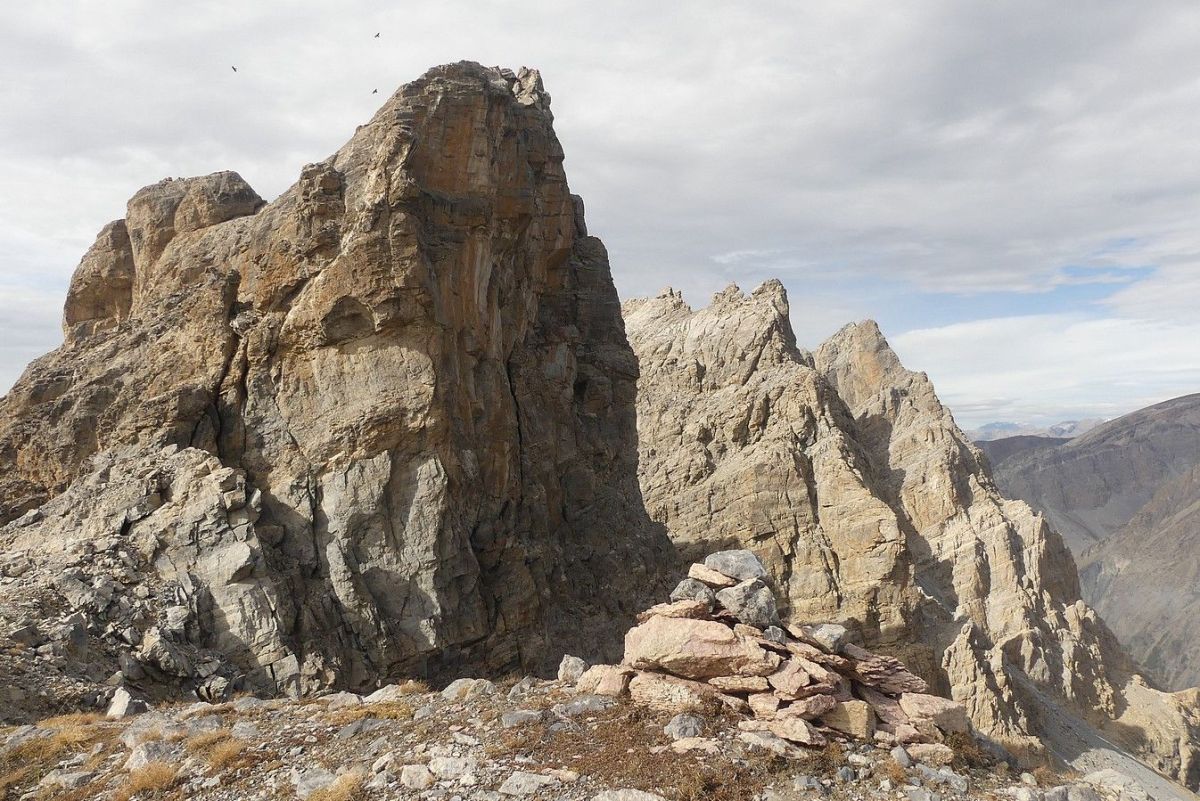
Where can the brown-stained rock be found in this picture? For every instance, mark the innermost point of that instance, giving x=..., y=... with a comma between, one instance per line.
x=669, y=694
x=740, y=684
x=796, y=730
x=790, y=680
x=610, y=680
x=415, y=361
x=810, y=708
x=947, y=715
x=851, y=717
x=695, y=649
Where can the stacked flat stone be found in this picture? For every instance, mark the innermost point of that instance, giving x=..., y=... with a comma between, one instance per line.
x=719, y=643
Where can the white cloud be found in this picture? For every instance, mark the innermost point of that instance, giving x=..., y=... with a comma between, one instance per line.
x=938, y=145
x=1046, y=368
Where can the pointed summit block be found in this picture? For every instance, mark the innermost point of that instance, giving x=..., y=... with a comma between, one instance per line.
x=383, y=424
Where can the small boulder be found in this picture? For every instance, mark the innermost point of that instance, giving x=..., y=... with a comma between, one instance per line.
x=828, y=636
x=610, y=680
x=671, y=694
x=931, y=753
x=683, y=726
x=691, y=589
x=741, y=565
x=571, y=668
x=947, y=715
x=520, y=717
x=811, y=708
x=522, y=783
x=695, y=649
x=796, y=730
x=710, y=577
x=851, y=717
x=416, y=777
x=461, y=690
x=124, y=705
x=751, y=602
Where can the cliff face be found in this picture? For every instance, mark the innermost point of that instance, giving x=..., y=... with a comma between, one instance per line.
x=844, y=472
x=1125, y=494
x=382, y=424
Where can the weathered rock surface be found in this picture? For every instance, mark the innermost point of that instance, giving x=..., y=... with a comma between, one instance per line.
x=382, y=425
x=870, y=508
x=1126, y=497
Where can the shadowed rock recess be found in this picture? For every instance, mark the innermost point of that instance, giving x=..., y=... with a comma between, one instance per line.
x=844, y=473
x=382, y=425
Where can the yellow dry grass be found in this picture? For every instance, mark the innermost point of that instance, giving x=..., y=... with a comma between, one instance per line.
x=147, y=782
x=347, y=787
x=29, y=761
x=387, y=710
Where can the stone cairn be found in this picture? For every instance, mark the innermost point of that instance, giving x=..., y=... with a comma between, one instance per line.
x=719, y=644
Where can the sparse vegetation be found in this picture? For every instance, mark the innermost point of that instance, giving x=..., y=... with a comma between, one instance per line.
x=387, y=710
x=28, y=762
x=968, y=753
x=148, y=782
x=347, y=787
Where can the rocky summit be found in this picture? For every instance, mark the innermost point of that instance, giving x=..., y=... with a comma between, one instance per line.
x=319, y=493
x=381, y=426
x=872, y=510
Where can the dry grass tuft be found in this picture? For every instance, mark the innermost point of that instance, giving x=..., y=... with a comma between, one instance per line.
x=825, y=763
x=347, y=787
x=387, y=710
x=202, y=743
x=219, y=748
x=896, y=773
x=148, y=782
x=226, y=753
x=968, y=753
x=29, y=761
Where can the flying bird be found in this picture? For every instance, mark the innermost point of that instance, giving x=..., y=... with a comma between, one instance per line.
x=374, y=91
x=233, y=68
x=376, y=36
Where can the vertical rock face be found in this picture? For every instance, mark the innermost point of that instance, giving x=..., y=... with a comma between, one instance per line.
x=413, y=367
x=868, y=505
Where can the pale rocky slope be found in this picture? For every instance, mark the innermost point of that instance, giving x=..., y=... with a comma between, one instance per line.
x=1091, y=486
x=383, y=425
x=870, y=507
x=1126, y=496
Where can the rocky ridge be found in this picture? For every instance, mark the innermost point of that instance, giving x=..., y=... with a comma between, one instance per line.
x=383, y=425
x=871, y=509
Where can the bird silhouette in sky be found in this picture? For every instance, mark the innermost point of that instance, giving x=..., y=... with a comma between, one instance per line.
x=233, y=68
x=374, y=91
x=376, y=36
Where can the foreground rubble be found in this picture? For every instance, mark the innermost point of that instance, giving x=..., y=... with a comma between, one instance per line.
x=703, y=706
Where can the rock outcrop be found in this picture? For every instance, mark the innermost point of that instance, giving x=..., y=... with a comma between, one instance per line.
x=870, y=508
x=384, y=424
x=1126, y=495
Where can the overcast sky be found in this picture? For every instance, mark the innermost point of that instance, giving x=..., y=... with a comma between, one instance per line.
x=1011, y=189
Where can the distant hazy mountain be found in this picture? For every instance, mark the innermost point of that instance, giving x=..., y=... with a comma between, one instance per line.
x=1063, y=430
x=1126, y=498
